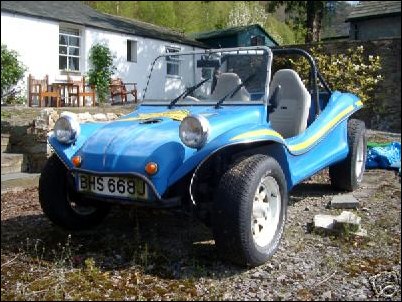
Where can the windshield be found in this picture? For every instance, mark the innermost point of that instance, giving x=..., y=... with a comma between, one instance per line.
x=209, y=76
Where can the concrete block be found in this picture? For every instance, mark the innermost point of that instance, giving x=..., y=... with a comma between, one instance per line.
x=344, y=201
x=325, y=222
x=347, y=221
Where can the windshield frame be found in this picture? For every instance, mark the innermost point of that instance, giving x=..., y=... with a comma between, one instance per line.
x=211, y=51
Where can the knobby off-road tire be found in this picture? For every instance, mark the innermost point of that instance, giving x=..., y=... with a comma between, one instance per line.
x=249, y=211
x=348, y=174
x=56, y=202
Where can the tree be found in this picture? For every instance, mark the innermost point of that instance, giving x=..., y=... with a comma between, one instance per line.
x=309, y=13
x=12, y=70
x=101, y=70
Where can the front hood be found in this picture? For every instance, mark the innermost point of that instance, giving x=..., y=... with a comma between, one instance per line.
x=124, y=145
x=152, y=134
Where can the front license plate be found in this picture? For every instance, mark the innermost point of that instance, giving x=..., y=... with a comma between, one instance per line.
x=128, y=187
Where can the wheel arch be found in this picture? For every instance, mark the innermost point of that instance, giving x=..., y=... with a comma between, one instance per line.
x=232, y=153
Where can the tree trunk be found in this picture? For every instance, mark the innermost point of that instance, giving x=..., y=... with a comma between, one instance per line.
x=314, y=12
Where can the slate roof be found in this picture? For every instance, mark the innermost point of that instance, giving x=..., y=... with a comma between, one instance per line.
x=227, y=32
x=78, y=13
x=370, y=9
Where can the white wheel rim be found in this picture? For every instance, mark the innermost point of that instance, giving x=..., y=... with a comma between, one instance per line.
x=265, y=211
x=359, y=160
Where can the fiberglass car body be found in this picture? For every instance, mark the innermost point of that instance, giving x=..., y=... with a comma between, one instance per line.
x=218, y=133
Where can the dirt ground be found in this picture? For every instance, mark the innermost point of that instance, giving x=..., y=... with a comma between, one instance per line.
x=142, y=254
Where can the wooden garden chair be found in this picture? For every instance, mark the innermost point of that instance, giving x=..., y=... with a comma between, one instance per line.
x=118, y=88
x=78, y=89
x=41, y=90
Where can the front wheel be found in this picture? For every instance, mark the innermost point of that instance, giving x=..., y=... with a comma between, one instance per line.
x=348, y=174
x=58, y=203
x=250, y=211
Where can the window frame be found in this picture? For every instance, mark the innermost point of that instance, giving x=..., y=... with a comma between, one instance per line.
x=172, y=61
x=69, y=46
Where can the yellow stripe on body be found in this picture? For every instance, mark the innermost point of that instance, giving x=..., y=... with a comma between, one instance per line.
x=322, y=131
x=177, y=115
x=301, y=145
x=359, y=103
x=256, y=133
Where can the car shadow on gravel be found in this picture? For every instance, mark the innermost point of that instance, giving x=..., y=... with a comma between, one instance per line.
x=305, y=190
x=165, y=244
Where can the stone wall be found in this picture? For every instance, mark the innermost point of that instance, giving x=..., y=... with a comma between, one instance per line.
x=388, y=93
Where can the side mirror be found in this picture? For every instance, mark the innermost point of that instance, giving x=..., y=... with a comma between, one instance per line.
x=273, y=101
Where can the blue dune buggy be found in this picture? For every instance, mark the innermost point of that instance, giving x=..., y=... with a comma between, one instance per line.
x=217, y=133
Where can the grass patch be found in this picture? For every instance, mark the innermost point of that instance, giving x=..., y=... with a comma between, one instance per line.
x=375, y=265
x=70, y=275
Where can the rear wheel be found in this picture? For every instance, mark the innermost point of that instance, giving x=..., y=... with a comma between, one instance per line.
x=348, y=174
x=250, y=211
x=59, y=203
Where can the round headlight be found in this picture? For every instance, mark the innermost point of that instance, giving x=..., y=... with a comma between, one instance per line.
x=66, y=129
x=194, y=130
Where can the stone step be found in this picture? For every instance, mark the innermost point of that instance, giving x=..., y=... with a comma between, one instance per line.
x=12, y=163
x=5, y=139
x=18, y=181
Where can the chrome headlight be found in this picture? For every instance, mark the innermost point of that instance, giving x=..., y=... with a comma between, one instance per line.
x=194, y=130
x=66, y=129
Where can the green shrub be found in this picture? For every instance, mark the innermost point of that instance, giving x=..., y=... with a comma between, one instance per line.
x=101, y=70
x=12, y=70
x=350, y=72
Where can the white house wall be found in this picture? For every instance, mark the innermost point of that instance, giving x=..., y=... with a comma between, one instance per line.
x=36, y=42
x=147, y=50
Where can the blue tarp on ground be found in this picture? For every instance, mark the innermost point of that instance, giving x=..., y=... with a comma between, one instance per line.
x=384, y=156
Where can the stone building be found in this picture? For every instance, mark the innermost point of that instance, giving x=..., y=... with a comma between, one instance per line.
x=371, y=20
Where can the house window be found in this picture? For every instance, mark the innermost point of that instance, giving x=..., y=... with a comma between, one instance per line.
x=172, y=62
x=69, y=49
x=131, y=51
x=257, y=40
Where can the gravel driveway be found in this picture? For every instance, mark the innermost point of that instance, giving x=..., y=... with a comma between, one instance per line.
x=146, y=255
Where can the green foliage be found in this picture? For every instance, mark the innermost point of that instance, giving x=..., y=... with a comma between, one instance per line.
x=246, y=13
x=161, y=11
x=101, y=70
x=280, y=31
x=12, y=70
x=305, y=17
x=198, y=16
x=352, y=72
x=187, y=14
